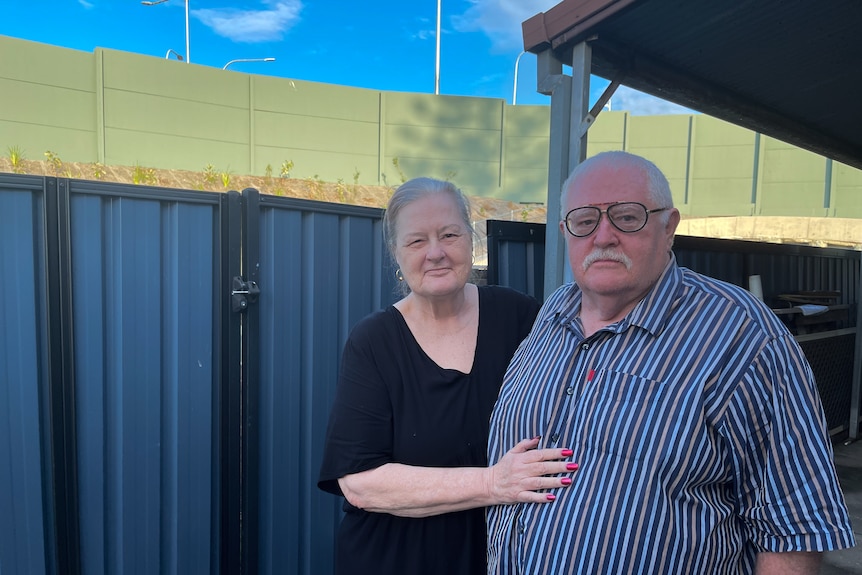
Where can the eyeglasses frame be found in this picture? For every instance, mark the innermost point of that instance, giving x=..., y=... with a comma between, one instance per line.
x=604, y=212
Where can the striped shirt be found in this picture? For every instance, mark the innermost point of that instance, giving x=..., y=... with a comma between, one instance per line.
x=698, y=430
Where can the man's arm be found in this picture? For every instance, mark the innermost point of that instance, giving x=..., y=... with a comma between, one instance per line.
x=789, y=563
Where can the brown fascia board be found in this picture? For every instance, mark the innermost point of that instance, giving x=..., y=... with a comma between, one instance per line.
x=566, y=22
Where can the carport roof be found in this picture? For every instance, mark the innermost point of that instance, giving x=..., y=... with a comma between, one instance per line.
x=790, y=69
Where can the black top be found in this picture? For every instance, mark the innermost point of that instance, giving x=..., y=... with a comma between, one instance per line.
x=395, y=404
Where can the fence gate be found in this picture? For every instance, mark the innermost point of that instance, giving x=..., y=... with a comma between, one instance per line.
x=167, y=361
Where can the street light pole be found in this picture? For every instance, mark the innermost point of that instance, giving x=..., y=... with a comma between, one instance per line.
x=437, y=66
x=248, y=60
x=515, y=83
x=155, y=2
x=188, y=56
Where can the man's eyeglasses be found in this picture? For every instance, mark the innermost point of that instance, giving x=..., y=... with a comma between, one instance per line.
x=628, y=217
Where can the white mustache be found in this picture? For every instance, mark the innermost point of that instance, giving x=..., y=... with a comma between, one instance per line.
x=597, y=255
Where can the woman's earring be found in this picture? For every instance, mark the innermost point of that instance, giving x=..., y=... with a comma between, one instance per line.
x=398, y=275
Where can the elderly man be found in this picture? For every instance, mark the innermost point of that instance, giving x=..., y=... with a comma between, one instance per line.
x=689, y=407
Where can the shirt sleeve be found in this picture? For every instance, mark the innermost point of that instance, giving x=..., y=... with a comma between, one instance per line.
x=359, y=433
x=786, y=486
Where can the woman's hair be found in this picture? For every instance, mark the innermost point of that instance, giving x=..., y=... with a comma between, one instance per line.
x=658, y=187
x=413, y=190
x=406, y=194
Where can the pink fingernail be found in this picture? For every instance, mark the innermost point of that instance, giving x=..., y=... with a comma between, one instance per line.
x=567, y=452
x=550, y=496
x=571, y=466
x=565, y=480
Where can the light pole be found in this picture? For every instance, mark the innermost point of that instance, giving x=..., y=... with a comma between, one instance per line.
x=248, y=60
x=515, y=83
x=154, y=2
x=437, y=65
x=174, y=52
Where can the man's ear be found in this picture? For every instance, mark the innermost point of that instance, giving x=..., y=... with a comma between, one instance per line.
x=670, y=227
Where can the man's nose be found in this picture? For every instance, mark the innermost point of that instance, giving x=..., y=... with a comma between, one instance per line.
x=605, y=232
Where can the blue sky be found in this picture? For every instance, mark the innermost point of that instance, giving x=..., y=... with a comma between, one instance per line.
x=380, y=44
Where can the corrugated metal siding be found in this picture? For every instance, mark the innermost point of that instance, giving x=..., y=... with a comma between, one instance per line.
x=23, y=378
x=516, y=256
x=140, y=439
x=783, y=268
x=322, y=268
x=144, y=287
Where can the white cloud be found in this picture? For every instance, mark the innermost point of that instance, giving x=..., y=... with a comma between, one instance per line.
x=85, y=4
x=500, y=20
x=252, y=26
x=639, y=104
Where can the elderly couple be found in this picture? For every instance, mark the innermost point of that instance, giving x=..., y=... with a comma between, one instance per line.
x=647, y=419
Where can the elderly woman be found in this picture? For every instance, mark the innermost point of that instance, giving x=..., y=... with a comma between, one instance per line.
x=407, y=436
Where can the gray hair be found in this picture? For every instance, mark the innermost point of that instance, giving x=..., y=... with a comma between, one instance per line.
x=658, y=187
x=409, y=192
x=416, y=189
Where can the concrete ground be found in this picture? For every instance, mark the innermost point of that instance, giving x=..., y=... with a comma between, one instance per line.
x=848, y=462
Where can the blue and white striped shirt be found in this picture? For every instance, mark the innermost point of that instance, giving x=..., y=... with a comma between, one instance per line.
x=698, y=430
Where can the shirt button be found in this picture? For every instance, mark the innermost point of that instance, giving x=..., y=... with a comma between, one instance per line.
x=585, y=346
x=521, y=529
x=570, y=391
x=555, y=437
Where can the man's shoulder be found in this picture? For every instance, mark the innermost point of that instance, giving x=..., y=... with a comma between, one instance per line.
x=735, y=298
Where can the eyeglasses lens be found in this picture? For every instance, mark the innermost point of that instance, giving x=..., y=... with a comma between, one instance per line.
x=626, y=216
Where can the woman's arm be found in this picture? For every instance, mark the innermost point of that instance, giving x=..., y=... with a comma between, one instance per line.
x=788, y=563
x=410, y=491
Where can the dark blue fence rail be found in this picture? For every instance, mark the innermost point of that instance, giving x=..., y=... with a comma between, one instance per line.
x=149, y=424
x=26, y=500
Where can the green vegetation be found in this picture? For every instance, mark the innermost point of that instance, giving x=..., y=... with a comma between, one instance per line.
x=225, y=178
x=144, y=175
x=56, y=164
x=341, y=190
x=98, y=170
x=16, y=158
x=398, y=169
x=316, y=185
x=209, y=176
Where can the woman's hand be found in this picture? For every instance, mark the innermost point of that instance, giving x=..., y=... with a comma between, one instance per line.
x=525, y=472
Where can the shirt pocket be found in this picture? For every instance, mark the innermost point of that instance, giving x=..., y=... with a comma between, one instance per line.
x=628, y=415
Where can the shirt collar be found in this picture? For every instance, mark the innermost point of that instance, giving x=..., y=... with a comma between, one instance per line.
x=651, y=313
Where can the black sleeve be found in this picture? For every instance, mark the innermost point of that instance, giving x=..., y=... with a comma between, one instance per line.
x=359, y=434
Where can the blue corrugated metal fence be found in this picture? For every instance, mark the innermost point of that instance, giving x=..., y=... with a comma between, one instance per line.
x=149, y=422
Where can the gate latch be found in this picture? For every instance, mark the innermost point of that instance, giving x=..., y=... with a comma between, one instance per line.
x=243, y=293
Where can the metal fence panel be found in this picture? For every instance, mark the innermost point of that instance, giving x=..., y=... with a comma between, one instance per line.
x=322, y=268
x=516, y=256
x=24, y=505
x=144, y=291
